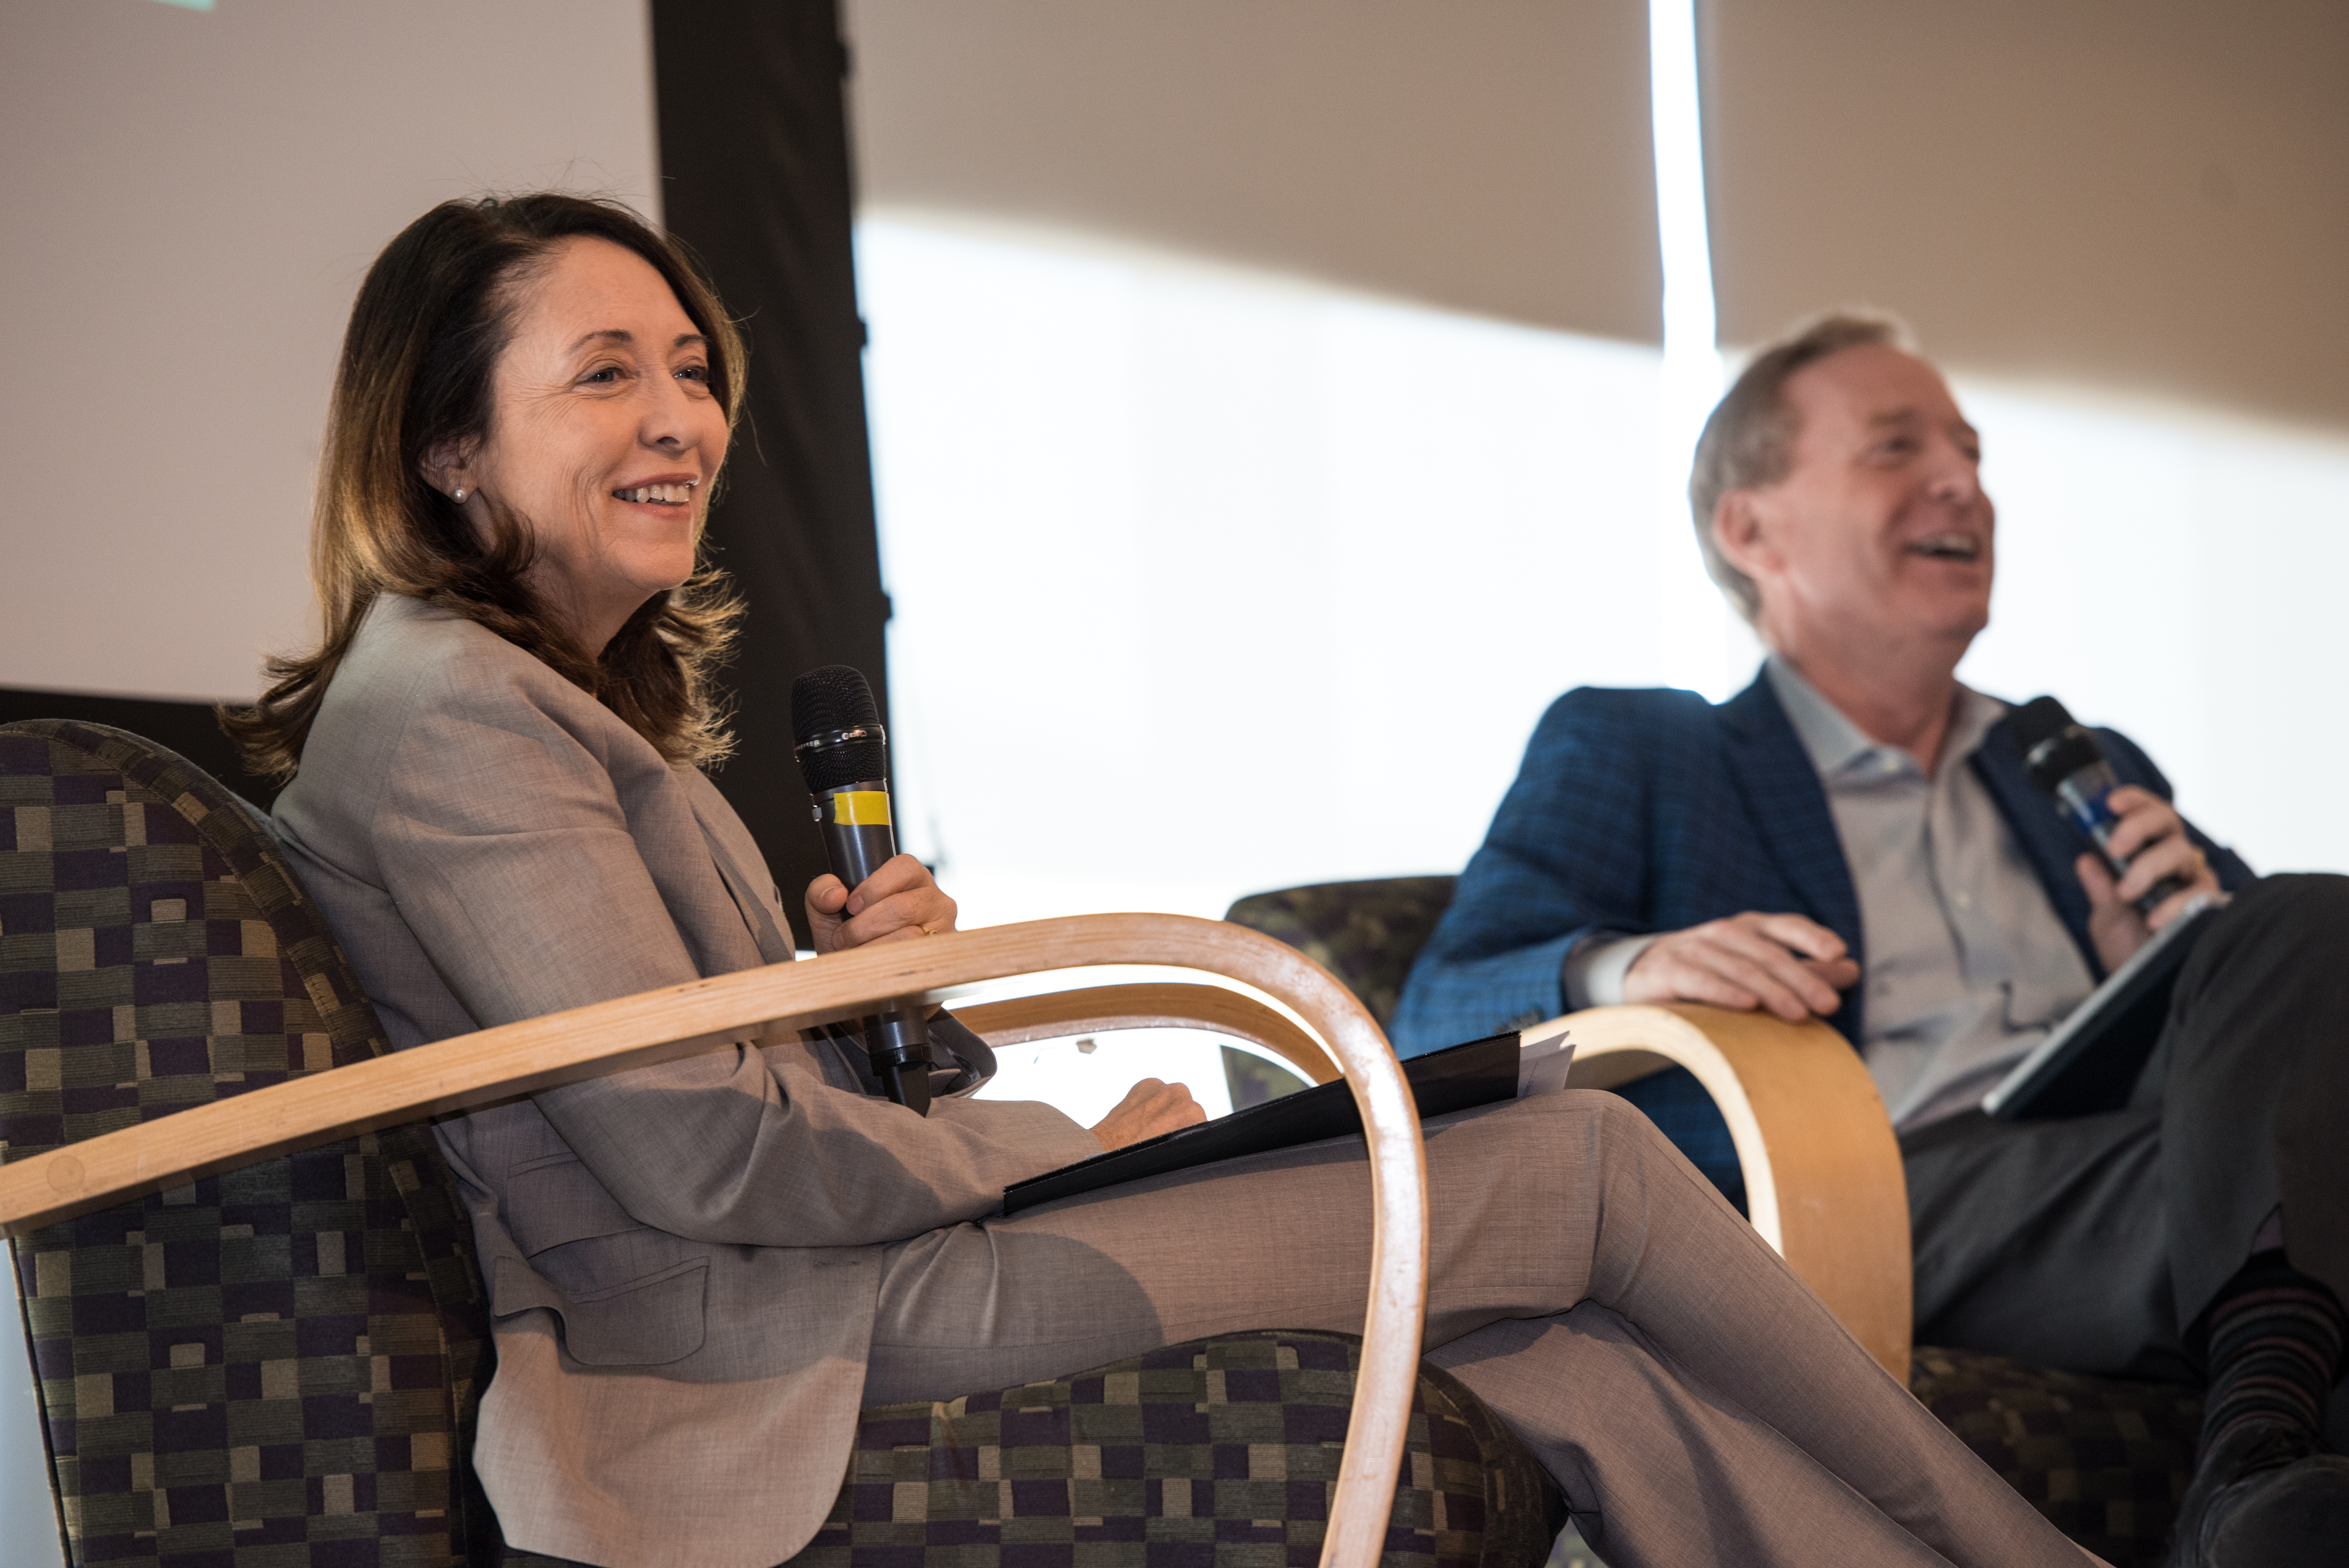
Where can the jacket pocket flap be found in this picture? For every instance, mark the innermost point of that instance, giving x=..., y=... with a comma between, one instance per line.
x=644, y=1322
x=552, y=1203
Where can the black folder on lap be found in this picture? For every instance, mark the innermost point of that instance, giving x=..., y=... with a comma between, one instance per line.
x=1459, y=1078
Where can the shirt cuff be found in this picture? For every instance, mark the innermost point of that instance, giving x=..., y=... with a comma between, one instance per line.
x=1593, y=971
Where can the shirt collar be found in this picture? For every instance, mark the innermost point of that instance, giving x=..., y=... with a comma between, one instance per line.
x=1839, y=746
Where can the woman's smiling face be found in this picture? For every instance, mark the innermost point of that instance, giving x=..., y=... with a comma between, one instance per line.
x=604, y=435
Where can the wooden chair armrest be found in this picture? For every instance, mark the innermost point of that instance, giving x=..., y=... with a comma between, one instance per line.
x=656, y=1025
x=1823, y=1177
x=1101, y=1009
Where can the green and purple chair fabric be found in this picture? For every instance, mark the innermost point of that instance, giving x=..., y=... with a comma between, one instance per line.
x=279, y=1366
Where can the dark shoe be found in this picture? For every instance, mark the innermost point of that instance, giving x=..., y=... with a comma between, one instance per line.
x=2264, y=1497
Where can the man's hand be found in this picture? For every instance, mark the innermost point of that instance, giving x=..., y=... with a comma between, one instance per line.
x=1150, y=1108
x=1789, y=964
x=898, y=903
x=2151, y=836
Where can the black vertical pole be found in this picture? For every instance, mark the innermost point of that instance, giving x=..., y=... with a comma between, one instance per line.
x=755, y=177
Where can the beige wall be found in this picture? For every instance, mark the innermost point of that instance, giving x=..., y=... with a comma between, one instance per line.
x=191, y=200
x=2151, y=196
x=2146, y=195
x=1493, y=157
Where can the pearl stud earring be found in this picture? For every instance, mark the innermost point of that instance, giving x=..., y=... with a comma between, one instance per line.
x=457, y=495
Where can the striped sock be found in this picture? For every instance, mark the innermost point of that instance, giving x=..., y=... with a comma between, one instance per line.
x=2275, y=1340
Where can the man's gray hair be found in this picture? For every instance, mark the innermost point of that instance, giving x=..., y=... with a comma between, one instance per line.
x=1749, y=440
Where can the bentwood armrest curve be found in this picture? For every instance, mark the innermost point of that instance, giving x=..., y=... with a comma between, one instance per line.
x=1824, y=1184
x=629, y=1031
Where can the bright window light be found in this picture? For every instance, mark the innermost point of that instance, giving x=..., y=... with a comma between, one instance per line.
x=1709, y=649
x=2178, y=574
x=1085, y=1078
x=1208, y=583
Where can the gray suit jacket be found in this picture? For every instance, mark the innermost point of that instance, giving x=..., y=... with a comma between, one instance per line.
x=682, y=1259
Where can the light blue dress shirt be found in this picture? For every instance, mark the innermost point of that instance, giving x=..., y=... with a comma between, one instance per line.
x=1968, y=965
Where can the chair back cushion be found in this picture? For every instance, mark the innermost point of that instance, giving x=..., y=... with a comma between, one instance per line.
x=1367, y=933
x=277, y=1365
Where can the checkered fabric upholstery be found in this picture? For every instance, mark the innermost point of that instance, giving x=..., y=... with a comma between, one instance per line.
x=1221, y=1453
x=274, y=1367
x=279, y=1366
x=1364, y=933
x=2105, y=1461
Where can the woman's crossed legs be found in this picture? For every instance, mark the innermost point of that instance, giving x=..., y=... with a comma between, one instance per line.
x=1684, y=1387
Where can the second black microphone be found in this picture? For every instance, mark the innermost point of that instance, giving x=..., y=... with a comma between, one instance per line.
x=2063, y=758
x=844, y=756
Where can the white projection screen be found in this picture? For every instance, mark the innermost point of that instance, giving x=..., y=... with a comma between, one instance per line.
x=192, y=196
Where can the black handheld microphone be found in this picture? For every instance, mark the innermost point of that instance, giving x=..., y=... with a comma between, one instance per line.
x=844, y=755
x=2064, y=760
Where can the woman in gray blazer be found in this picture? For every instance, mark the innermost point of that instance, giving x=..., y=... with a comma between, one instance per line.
x=700, y=1270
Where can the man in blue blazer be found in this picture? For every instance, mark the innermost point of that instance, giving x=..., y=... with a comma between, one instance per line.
x=1853, y=837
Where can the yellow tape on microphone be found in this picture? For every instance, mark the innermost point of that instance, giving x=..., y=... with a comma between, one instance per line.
x=860, y=809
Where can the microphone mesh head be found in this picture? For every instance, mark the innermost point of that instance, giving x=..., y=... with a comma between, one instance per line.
x=836, y=696
x=823, y=702
x=2040, y=719
x=2054, y=746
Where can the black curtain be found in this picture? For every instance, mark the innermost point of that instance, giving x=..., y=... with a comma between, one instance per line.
x=755, y=177
x=186, y=727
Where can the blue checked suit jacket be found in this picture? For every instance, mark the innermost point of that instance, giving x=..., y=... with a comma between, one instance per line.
x=1650, y=811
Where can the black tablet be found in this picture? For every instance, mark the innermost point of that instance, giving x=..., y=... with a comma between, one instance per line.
x=2092, y=1058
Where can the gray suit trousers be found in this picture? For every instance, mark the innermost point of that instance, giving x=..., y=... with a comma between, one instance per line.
x=1687, y=1390
x=2093, y=1242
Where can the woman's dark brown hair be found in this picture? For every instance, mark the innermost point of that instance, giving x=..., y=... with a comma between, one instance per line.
x=431, y=319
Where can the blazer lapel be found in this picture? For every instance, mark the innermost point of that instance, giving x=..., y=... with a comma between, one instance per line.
x=1789, y=808
x=721, y=830
x=2047, y=843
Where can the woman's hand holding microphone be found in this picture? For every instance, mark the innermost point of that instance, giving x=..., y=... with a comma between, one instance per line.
x=898, y=903
x=901, y=903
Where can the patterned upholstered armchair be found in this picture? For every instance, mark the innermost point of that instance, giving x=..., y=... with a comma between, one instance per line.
x=2107, y=1461
x=260, y=1334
